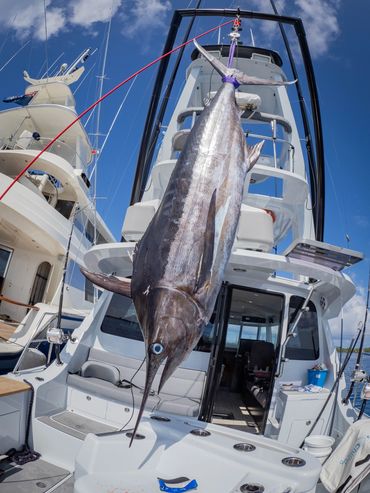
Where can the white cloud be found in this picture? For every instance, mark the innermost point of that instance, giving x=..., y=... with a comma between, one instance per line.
x=145, y=14
x=26, y=18
x=87, y=12
x=320, y=20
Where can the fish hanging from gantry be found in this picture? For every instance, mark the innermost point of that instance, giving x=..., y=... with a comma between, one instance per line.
x=179, y=263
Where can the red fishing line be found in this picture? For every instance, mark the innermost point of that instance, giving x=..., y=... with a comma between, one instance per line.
x=111, y=91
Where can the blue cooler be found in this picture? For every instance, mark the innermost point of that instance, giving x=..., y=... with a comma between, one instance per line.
x=317, y=377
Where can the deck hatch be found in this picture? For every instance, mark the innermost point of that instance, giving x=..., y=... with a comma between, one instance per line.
x=317, y=252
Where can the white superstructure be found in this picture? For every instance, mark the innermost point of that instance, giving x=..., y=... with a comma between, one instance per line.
x=231, y=417
x=37, y=213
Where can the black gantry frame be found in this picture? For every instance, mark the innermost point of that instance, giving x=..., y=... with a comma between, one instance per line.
x=154, y=116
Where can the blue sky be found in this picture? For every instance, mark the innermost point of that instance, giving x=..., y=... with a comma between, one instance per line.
x=338, y=36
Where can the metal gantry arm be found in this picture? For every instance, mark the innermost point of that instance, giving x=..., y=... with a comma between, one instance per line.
x=152, y=125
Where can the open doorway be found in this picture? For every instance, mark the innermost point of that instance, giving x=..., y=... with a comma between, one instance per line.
x=246, y=356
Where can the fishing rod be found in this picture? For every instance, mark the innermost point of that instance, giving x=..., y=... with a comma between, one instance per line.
x=357, y=374
x=336, y=382
x=59, y=337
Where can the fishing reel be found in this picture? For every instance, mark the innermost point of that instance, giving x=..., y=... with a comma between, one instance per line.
x=58, y=336
x=359, y=376
x=365, y=391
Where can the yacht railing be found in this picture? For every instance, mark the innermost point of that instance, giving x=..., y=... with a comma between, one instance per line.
x=284, y=160
x=60, y=148
x=40, y=330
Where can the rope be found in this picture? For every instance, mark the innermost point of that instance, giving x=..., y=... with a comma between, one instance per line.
x=106, y=95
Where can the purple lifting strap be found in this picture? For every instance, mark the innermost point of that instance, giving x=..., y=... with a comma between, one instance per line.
x=231, y=79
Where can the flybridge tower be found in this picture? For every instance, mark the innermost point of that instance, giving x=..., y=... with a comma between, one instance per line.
x=277, y=203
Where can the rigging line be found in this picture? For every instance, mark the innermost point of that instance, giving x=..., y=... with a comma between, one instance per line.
x=83, y=80
x=8, y=34
x=111, y=128
x=97, y=126
x=46, y=41
x=52, y=65
x=105, y=96
x=14, y=55
x=362, y=340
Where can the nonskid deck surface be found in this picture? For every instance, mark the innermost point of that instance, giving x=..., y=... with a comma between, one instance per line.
x=231, y=411
x=37, y=476
x=76, y=425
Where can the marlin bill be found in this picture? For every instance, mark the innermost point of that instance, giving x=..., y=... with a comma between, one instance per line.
x=179, y=263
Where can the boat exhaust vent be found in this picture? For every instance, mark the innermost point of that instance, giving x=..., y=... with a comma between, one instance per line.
x=293, y=462
x=252, y=488
x=244, y=447
x=136, y=437
x=199, y=432
x=160, y=418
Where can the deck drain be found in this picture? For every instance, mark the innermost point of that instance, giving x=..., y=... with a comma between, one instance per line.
x=160, y=418
x=244, y=447
x=40, y=484
x=136, y=437
x=293, y=462
x=200, y=433
x=252, y=488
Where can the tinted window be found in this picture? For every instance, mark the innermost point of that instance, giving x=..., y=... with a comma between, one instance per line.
x=121, y=320
x=305, y=345
x=65, y=207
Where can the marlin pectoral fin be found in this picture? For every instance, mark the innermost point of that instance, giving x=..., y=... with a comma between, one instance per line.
x=243, y=78
x=205, y=268
x=111, y=283
x=218, y=66
x=254, y=153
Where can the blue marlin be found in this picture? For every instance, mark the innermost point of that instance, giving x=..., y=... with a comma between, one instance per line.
x=179, y=263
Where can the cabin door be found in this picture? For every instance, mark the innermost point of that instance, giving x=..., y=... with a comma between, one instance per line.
x=243, y=358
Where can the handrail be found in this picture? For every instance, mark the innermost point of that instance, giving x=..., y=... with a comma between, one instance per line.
x=8, y=143
x=32, y=340
x=14, y=302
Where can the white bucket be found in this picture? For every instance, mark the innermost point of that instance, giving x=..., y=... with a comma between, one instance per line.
x=320, y=446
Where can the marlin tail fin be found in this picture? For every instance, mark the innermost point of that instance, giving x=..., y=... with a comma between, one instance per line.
x=241, y=77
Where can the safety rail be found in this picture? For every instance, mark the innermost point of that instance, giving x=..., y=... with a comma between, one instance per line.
x=40, y=339
x=254, y=117
x=78, y=160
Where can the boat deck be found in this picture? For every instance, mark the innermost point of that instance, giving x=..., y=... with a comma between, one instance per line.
x=231, y=411
x=39, y=475
x=6, y=330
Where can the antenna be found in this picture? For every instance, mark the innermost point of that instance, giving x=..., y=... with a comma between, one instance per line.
x=80, y=59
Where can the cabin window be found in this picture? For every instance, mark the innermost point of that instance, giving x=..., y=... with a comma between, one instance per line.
x=65, y=207
x=120, y=319
x=40, y=282
x=305, y=345
x=5, y=254
x=89, y=291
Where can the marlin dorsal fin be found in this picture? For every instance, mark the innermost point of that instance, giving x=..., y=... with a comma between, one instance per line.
x=111, y=283
x=253, y=153
x=205, y=265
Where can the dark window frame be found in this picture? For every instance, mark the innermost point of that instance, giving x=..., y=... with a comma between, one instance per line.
x=298, y=353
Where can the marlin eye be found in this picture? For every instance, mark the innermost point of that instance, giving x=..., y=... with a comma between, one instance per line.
x=157, y=348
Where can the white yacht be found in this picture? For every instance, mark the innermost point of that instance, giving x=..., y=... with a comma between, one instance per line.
x=37, y=214
x=235, y=415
